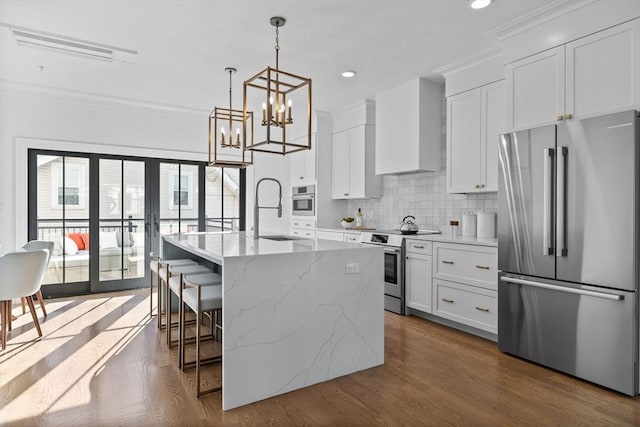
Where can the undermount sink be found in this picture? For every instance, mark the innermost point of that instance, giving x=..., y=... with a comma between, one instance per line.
x=281, y=238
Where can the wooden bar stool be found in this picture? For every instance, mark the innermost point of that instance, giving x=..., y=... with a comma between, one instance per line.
x=210, y=279
x=160, y=268
x=201, y=299
x=176, y=272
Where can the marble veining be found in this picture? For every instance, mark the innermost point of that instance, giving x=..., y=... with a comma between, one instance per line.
x=292, y=316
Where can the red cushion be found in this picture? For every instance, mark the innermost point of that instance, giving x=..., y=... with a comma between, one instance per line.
x=77, y=239
x=85, y=239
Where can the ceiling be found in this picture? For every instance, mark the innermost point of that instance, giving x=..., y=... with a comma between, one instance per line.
x=184, y=45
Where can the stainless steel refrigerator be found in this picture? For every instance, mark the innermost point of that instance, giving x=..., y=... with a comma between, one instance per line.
x=568, y=228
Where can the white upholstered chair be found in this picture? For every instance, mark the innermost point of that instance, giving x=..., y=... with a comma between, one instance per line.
x=21, y=275
x=37, y=245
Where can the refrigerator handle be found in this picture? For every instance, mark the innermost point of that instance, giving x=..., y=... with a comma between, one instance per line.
x=605, y=295
x=547, y=225
x=562, y=201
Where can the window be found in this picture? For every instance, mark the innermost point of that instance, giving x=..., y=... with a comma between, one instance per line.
x=69, y=190
x=180, y=189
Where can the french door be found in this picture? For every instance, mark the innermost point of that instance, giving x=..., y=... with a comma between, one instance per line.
x=105, y=214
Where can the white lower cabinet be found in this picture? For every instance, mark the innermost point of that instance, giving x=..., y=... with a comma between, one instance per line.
x=465, y=284
x=352, y=237
x=339, y=236
x=330, y=235
x=455, y=281
x=418, y=277
x=470, y=305
x=303, y=228
x=304, y=232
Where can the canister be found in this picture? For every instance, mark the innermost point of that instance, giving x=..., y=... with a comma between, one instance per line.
x=486, y=224
x=469, y=224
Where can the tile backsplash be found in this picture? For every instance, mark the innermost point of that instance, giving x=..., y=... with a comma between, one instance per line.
x=423, y=195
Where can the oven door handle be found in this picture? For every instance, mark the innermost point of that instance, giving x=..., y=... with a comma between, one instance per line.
x=392, y=251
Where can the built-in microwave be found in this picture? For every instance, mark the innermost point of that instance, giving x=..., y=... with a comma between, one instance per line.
x=303, y=201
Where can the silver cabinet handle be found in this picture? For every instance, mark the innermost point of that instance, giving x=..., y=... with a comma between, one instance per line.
x=615, y=297
x=447, y=300
x=547, y=202
x=418, y=246
x=483, y=267
x=562, y=202
x=567, y=116
x=486, y=310
x=447, y=262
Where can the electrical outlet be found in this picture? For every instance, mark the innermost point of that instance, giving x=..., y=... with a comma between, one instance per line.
x=353, y=268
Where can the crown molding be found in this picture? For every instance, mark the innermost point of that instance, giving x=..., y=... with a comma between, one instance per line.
x=96, y=98
x=468, y=62
x=537, y=18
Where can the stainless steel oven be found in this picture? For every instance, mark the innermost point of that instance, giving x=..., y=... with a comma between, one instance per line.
x=394, y=286
x=303, y=201
x=393, y=268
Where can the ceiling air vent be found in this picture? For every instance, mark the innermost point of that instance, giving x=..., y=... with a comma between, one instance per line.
x=68, y=45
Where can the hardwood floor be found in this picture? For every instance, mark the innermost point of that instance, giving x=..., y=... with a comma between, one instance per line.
x=102, y=362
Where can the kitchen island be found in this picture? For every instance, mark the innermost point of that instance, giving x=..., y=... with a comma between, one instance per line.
x=294, y=312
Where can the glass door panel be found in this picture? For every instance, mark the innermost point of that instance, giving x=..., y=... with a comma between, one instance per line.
x=179, y=201
x=134, y=213
x=122, y=210
x=186, y=199
x=222, y=202
x=62, y=212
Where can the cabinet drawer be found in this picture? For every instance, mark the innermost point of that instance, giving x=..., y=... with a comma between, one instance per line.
x=419, y=247
x=303, y=232
x=330, y=235
x=352, y=237
x=466, y=304
x=471, y=264
x=309, y=224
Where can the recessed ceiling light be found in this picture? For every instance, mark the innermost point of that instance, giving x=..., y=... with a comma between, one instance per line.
x=348, y=74
x=479, y=4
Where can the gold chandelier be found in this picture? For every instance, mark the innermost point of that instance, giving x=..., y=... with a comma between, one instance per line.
x=284, y=97
x=228, y=150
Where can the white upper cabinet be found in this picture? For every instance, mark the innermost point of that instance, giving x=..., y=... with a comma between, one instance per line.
x=593, y=75
x=353, y=155
x=603, y=71
x=303, y=163
x=353, y=176
x=408, y=128
x=493, y=125
x=475, y=119
x=535, y=89
x=463, y=141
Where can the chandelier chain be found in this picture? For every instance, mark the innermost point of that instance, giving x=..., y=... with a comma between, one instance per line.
x=230, y=74
x=277, y=45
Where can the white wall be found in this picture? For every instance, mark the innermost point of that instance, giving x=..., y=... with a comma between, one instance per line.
x=31, y=118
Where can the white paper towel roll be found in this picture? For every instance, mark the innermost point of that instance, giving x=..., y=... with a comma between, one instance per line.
x=486, y=224
x=469, y=225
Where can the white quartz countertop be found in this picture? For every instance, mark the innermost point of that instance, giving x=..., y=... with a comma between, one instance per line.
x=217, y=246
x=446, y=237
x=345, y=230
